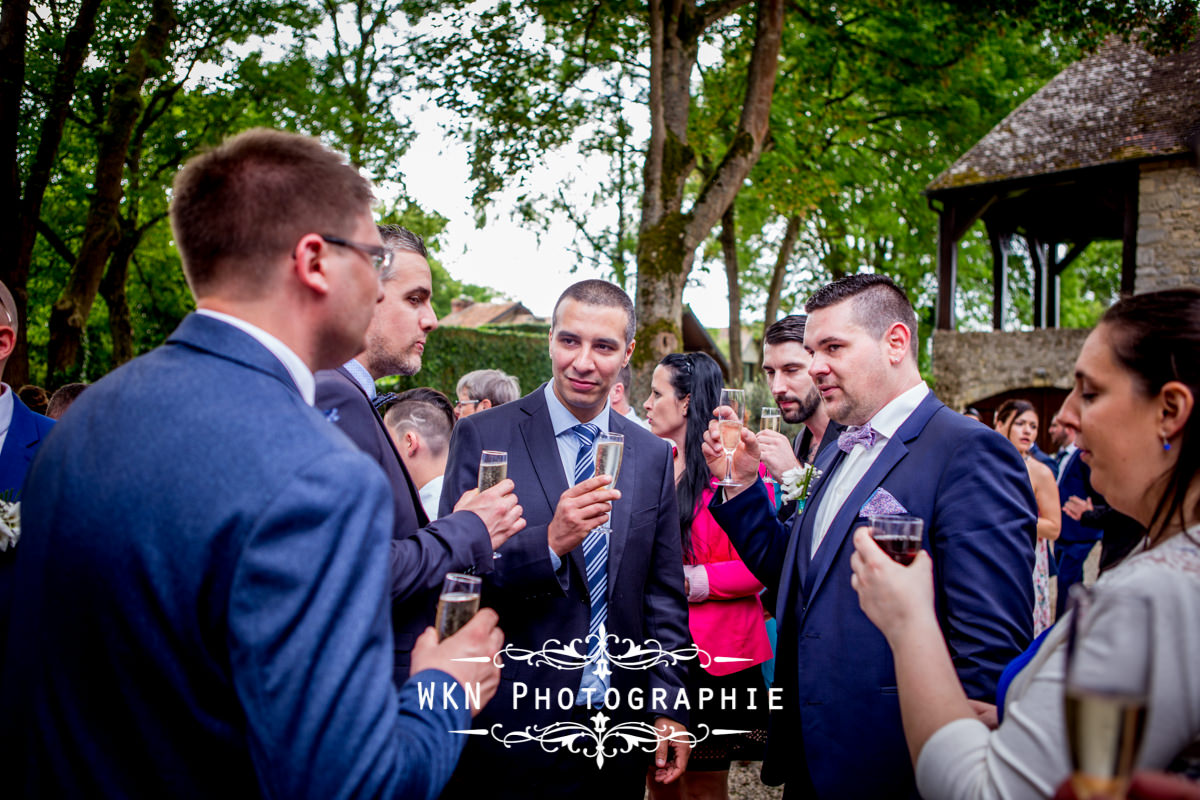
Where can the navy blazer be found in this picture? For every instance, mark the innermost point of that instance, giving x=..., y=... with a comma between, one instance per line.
x=25, y=433
x=841, y=728
x=645, y=582
x=203, y=606
x=420, y=553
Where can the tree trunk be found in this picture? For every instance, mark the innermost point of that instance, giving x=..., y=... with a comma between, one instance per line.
x=775, y=290
x=102, y=227
x=728, y=237
x=19, y=213
x=112, y=289
x=668, y=235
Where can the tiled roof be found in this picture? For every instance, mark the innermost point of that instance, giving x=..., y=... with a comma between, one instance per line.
x=1119, y=104
x=478, y=314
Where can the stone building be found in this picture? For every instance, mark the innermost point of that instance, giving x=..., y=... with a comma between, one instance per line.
x=1104, y=151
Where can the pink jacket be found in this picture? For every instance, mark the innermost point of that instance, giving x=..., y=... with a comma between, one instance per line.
x=730, y=622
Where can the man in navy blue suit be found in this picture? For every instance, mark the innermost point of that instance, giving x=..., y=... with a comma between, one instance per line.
x=421, y=554
x=569, y=576
x=203, y=601
x=840, y=735
x=21, y=430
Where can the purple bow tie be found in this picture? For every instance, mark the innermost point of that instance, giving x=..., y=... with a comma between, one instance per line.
x=856, y=434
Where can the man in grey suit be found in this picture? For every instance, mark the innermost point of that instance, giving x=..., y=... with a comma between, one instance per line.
x=202, y=602
x=420, y=553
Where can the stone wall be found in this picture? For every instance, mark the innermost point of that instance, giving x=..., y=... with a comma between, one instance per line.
x=971, y=366
x=1168, y=241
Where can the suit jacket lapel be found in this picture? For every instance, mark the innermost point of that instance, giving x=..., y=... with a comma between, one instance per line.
x=538, y=433
x=19, y=445
x=893, y=453
x=418, y=507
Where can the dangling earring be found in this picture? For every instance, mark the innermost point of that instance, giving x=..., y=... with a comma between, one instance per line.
x=1166, y=444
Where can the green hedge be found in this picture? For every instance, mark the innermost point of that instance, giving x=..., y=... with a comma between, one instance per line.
x=451, y=353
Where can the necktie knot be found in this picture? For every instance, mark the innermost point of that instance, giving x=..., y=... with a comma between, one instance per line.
x=856, y=434
x=383, y=399
x=586, y=433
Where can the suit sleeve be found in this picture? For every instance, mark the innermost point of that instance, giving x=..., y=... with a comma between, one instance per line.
x=456, y=543
x=982, y=534
x=665, y=603
x=523, y=566
x=756, y=533
x=311, y=648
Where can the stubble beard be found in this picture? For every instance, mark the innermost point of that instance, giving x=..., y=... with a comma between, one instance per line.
x=804, y=408
x=381, y=363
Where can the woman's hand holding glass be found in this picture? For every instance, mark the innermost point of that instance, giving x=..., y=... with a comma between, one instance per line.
x=894, y=597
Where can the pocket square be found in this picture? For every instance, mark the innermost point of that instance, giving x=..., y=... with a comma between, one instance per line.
x=881, y=502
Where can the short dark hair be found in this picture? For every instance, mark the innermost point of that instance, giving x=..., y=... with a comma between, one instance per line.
x=878, y=303
x=594, y=292
x=788, y=329
x=1156, y=338
x=402, y=240
x=625, y=377
x=62, y=398
x=248, y=201
x=428, y=412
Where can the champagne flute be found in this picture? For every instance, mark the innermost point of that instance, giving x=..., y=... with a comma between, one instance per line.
x=609, y=449
x=769, y=420
x=731, y=430
x=458, y=602
x=898, y=535
x=493, y=468
x=1106, y=687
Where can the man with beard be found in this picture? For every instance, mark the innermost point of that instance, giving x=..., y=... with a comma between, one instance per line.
x=785, y=364
x=421, y=553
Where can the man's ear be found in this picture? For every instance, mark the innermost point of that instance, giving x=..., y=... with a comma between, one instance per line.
x=412, y=443
x=8, y=343
x=897, y=340
x=484, y=403
x=309, y=263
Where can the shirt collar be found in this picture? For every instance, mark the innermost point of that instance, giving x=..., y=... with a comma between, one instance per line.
x=6, y=408
x=563, y=420
x=361, y=377
x=301, y=375
x=889, y=418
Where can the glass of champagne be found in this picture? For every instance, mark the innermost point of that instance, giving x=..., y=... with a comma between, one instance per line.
x=769, y=420
x=1107, y=684
x=458, y=602
x=731, y=430
x=898, y=535
x=493, y=468
x=609, y=449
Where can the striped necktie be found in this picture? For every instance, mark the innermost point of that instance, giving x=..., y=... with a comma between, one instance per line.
x=595, y=544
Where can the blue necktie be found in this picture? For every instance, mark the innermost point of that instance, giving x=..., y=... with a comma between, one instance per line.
x=595, y=544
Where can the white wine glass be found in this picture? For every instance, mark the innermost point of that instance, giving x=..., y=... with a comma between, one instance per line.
x=458, y=602
x=730, y=428
x=1108, y=674
x=610, y=447
x=493, y=468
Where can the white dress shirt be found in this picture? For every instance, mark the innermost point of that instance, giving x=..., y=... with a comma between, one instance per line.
x=301, y=375
x=431, y=495
x=855, y=465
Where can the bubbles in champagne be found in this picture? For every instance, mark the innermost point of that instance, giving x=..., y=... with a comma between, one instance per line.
x=608, y=460
x=731, y=434
x=491, y=474
x=455, y=610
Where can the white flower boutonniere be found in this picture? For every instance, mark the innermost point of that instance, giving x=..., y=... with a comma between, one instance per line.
x=797, y=481
x=10, y=524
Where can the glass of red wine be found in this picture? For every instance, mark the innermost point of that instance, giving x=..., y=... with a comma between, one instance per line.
x=898, y=535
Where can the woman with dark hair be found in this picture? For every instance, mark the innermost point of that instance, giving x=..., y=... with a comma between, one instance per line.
x=1137, y=379
x=1018, y=421
x=726, y=616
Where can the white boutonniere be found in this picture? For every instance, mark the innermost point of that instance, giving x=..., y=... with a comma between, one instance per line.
x=10, y=524
x=797, y=481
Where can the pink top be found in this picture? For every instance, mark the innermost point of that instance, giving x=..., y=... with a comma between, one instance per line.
x=730, y=622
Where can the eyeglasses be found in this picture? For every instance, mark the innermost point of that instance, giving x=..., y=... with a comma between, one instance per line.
x=462, y=403
x=380, y=257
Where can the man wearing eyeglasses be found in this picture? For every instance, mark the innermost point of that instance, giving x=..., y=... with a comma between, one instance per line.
x=482, y=389
x=421, y=554
x=199, y=575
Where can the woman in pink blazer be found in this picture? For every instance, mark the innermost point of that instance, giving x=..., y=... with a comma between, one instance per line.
x=725, y=613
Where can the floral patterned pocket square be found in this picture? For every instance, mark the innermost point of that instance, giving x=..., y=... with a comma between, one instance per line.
x=881, y=502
